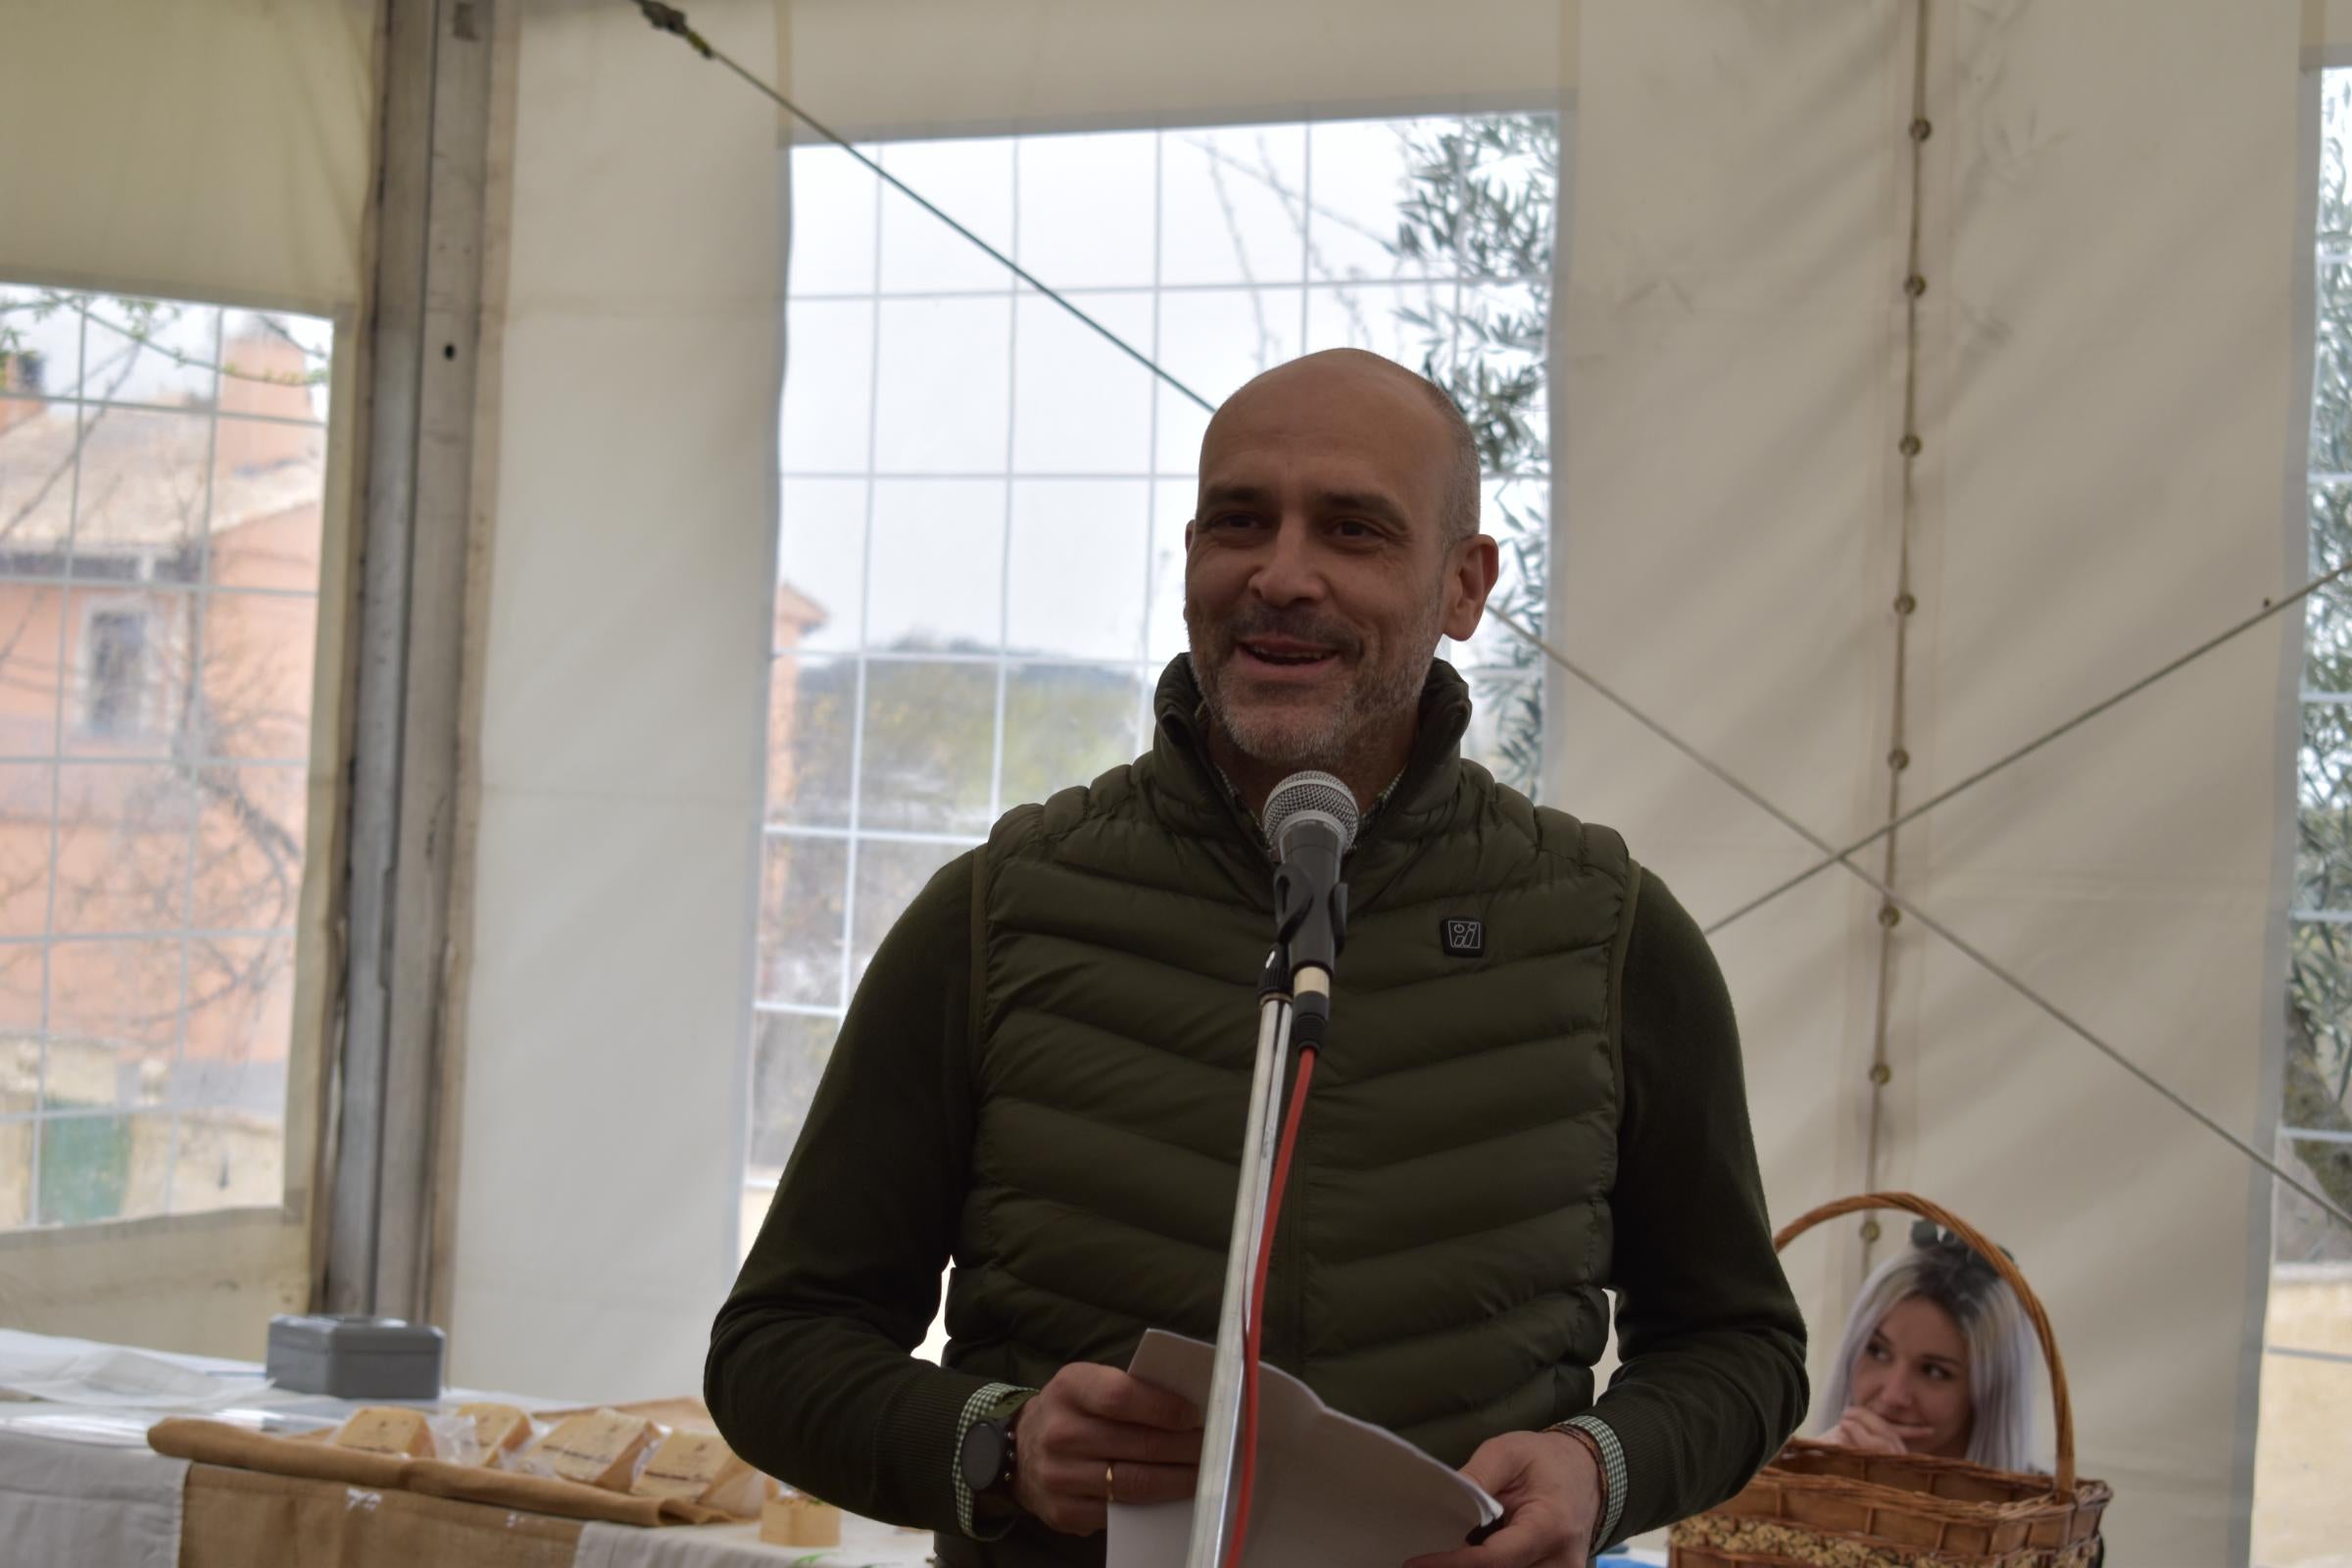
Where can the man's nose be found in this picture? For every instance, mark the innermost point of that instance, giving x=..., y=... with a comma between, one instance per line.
x=1290, y=572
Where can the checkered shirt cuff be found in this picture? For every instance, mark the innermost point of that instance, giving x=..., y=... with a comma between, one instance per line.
x=1612, y=1475
x=982, y=1398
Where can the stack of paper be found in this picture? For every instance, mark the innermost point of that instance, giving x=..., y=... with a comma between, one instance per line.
x=1330, y=1488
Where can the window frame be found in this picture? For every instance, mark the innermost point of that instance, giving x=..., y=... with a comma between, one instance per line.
x=265, y=1243
x=760, y=1176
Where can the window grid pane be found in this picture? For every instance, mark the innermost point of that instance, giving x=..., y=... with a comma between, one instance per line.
x=973, y=612
x=162, y=477
x=2318, y=1080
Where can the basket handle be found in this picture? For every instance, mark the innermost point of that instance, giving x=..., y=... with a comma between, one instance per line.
x=2062, y=1405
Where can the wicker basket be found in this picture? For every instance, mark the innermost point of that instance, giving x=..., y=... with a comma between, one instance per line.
x=1818, y=1507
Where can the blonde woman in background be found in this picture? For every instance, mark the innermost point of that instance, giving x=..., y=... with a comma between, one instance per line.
x=1937, y=1358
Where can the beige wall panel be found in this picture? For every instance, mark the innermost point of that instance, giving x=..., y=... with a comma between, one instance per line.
x=216, y=151
x=207, y=1284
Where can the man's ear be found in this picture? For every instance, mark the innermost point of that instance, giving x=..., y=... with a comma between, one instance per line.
x=1189, y=525
x=1469, y=578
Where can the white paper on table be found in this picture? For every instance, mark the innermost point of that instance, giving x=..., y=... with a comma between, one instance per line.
x=119, y=1380
x=1330, y=1488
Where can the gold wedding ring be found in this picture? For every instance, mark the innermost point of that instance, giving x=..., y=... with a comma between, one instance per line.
x=1110, y=1481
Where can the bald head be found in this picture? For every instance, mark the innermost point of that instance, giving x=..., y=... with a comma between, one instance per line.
x=1316, y=374
x=1334, y=545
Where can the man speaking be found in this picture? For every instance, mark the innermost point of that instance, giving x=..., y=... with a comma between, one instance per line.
x=1532, y=1091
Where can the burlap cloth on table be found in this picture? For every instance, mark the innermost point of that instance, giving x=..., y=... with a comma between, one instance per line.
x=215, y=1442
x=246, y=1519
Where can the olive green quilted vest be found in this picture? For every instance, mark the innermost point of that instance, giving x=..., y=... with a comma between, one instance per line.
x=1445, y=1237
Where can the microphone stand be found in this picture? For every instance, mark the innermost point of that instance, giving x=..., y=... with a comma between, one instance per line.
x=1212, y=1501
x=1311, y=925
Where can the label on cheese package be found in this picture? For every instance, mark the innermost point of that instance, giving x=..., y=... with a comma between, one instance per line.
x=388, y=1428
x=499, y=1428
x=700, y=1468
x=602, y=1449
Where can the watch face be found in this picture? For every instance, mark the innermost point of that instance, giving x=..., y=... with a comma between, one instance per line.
x=983, y=1457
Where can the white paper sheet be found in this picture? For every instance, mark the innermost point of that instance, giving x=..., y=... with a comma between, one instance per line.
x=1330, y=1488
x=116, y=1379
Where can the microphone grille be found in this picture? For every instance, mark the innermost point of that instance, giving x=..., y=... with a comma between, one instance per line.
x=1311, y=792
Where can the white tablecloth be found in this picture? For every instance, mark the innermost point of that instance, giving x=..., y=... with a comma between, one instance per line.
x=78, y=1484
x=862, y=1541
x=71, y=1503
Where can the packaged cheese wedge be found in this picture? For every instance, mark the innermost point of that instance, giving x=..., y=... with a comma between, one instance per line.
x=700, y=1468
x=388, y=1428
x=500, y=1429
x=600, y=1449
x=797, y=1519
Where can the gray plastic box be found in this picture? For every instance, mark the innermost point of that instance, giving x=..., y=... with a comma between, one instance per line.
x=356, y=1357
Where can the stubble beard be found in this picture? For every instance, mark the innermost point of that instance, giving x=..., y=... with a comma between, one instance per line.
x=1288, y=737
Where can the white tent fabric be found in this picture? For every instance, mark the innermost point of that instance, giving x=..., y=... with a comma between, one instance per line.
x=2327, y=25
x=920, y=68
x=220, y=152
x=2107, y=407
x=636, y=239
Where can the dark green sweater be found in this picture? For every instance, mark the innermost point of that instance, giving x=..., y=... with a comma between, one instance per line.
x=809, y=1373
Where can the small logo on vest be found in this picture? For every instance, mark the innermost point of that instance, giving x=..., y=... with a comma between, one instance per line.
x=1463, y=939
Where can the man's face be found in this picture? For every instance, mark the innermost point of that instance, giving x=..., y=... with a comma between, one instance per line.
x=1318, y=577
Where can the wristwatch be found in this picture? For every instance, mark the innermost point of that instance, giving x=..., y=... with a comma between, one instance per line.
x=988, y=1457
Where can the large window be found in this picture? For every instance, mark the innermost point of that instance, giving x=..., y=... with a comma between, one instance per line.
x=2300, y=1509
x=161, y=474
x=983, y=503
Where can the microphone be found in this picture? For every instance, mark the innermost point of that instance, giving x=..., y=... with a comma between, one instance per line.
x=1310, y=823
